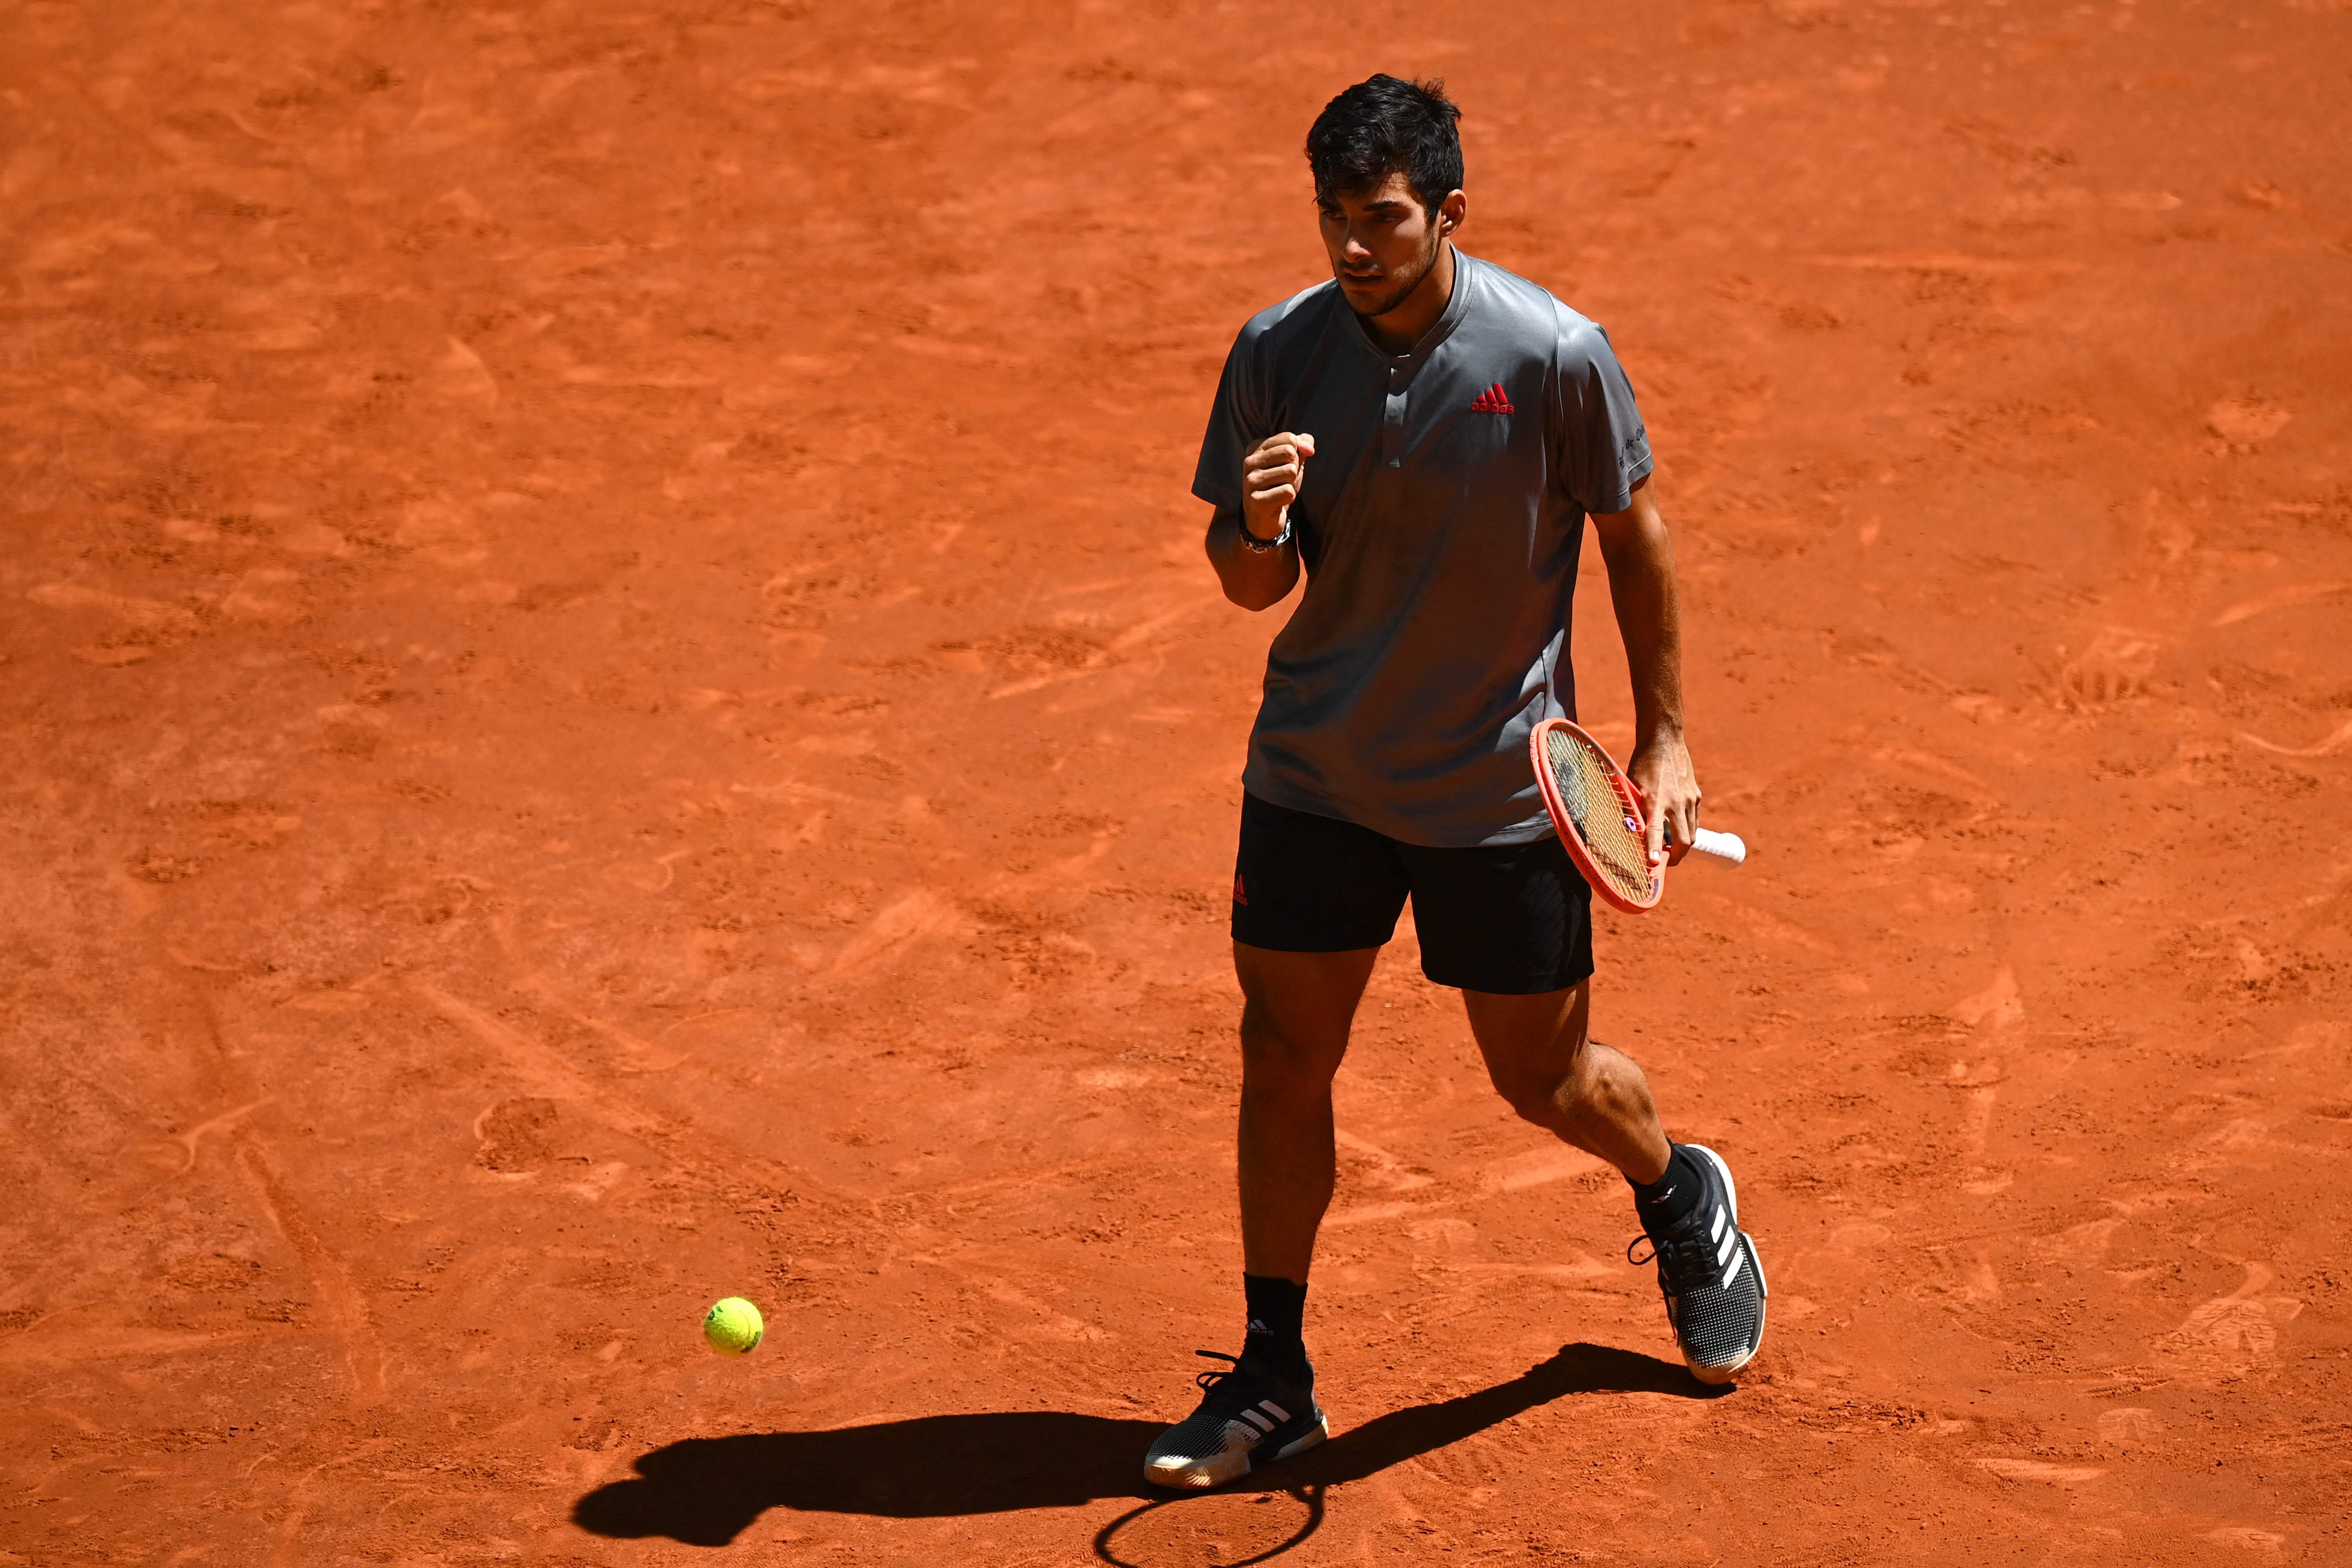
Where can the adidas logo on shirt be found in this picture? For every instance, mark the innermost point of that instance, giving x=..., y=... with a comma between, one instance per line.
x=1494, y=400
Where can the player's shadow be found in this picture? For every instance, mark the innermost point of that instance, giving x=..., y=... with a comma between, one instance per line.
x=705, y=1491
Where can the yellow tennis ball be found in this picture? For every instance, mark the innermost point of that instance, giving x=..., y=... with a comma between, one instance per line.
x=732, y=1326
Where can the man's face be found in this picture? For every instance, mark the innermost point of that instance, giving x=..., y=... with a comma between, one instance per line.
x=1383, y=241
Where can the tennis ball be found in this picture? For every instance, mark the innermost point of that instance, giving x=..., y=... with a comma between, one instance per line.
x=732, y=1326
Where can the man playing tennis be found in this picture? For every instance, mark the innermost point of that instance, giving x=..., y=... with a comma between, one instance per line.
x=1425, y=436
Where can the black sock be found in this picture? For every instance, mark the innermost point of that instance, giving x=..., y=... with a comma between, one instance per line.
x=1277, y=1313
x=1669, y=1200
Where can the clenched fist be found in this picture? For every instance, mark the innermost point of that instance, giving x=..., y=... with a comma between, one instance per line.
x=1270, y=476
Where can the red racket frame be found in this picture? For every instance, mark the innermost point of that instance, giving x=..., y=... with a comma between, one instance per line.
x=1627, y=795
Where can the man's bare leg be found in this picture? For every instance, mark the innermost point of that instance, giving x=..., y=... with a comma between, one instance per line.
x=1296, y=1009
x=1542, y=1063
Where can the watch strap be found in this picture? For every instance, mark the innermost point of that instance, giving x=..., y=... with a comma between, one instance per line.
x=1258, y=546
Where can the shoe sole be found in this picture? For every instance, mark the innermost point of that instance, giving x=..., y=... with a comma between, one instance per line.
x=1216, y=1472
x=1721, y=1375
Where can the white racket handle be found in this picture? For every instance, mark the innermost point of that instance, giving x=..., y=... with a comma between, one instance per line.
x=1726, y=848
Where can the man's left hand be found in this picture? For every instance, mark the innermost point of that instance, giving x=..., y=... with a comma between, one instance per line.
x=1662, y=771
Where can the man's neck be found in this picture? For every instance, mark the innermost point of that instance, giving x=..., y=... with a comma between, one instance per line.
x=1397, y=331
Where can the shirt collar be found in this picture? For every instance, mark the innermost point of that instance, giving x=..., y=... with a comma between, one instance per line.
x=1456, y=306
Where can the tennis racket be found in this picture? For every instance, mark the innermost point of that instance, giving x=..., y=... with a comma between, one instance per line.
x=1605, y=822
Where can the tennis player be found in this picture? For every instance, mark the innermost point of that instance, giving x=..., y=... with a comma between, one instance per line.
x=1424, y=437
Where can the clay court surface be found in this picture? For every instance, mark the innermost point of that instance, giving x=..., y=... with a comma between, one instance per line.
x=610, y=699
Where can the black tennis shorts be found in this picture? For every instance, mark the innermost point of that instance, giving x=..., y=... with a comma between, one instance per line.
x=1512, y=919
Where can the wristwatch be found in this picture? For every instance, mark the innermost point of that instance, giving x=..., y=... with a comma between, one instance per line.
x=1262, y=546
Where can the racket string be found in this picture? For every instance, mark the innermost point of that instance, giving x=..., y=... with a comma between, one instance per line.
x=1612, y=834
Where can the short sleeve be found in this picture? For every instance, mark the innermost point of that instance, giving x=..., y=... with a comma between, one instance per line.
x=1599, y=444
x=1236, y=423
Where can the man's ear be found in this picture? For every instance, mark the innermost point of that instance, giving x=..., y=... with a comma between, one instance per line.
x=1451, y=212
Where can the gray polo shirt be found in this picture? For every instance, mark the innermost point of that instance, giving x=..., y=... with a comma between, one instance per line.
x=1439, y=521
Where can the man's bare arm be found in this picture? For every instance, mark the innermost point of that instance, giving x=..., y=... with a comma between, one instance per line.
x=1271, y=475
x=1640, y=561
x=1253, y=579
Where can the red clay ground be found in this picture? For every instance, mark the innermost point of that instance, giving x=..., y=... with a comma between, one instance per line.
x=610, y=700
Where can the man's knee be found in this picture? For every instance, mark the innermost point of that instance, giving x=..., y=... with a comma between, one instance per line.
x=1540, y=1097
x=1273, y=1058
x=1553, y=1097
x=1537, y=1055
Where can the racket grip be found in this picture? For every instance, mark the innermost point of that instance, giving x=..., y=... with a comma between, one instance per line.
x=1726, y=848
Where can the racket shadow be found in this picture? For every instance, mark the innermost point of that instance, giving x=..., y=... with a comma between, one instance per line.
x=706, y=1491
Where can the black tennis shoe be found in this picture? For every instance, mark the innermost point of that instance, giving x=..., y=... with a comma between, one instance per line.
x=1248, y=1416
x=1710, y=1276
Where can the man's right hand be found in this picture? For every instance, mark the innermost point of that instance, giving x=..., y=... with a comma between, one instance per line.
x=1270, y=476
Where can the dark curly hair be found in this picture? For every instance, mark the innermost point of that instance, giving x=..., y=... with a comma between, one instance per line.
x=1384, y=126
